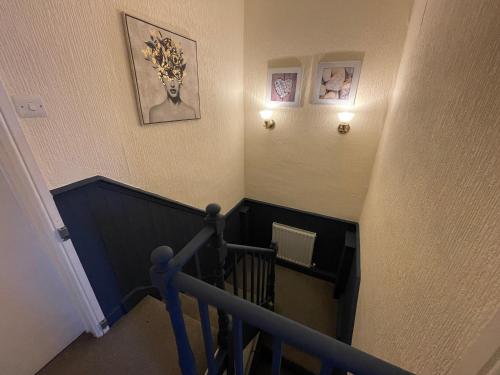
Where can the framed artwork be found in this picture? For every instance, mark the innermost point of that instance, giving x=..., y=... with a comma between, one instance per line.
x=336, y=82
x=283, y=87
x=165, y=72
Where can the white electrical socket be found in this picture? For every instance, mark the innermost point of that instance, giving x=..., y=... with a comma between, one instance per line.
x=29, y=106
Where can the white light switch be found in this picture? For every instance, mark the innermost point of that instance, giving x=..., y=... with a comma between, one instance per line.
x=29, y=106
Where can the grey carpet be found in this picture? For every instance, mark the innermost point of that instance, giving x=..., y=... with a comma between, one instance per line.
x=142, y=342
x=305, y=299
x=309, y=301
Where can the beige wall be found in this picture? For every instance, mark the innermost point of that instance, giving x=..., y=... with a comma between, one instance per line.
x=304, y=162
x=430, y=227
x=73, y=54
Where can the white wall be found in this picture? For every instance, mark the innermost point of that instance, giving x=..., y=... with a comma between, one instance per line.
x=73, y=54
x=430, y=227
x=304, y=162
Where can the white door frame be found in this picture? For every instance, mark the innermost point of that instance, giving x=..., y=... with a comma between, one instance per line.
x=30, y=186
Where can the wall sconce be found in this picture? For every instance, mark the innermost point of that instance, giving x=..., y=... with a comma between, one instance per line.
x=344, y=118
x=266, y=116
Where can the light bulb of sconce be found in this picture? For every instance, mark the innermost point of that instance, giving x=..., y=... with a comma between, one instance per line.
x=266, y=114
x=345, y=117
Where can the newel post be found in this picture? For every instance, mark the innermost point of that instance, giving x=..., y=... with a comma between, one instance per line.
x=160, y=277
x=217, y=221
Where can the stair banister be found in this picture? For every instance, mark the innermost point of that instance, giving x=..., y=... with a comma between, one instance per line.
x=167, y=276
x=332, y=352
x=166, y=266
x=190, y=250
x=216, y=221
x=161, y=274
x=207, y=337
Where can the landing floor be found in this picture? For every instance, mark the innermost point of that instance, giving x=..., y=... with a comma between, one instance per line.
x=141, y=342
x=309, y=301
x=305, y=299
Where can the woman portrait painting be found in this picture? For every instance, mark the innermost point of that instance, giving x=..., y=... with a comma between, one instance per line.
x=166, y=73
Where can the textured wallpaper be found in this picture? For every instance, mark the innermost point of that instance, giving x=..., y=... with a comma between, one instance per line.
x=73, y=54
x=304, y=162
x=430, y=227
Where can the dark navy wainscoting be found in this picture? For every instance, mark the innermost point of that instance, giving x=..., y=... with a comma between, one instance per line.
x=114, y=227
x=330, y=232
x=347, y=287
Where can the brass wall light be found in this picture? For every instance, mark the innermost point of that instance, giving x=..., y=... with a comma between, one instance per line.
x=266, y=115
x=344, y=118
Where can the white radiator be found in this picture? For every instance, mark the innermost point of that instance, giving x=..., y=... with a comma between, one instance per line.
x=294, y=245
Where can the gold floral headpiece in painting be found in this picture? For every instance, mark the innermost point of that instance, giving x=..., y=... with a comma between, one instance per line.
x=166, y=57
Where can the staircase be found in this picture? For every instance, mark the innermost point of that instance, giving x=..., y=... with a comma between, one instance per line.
x=243, y=312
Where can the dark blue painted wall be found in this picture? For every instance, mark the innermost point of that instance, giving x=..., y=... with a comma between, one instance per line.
x=347, y=287
x=77, y=215
x=114, y=228
x=330, y=232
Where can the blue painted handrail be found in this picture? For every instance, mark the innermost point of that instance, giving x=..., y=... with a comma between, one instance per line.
x=329, y=350
x=190, y=249
x=167, y=276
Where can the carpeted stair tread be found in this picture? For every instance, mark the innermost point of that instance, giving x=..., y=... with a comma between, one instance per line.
x=142, y=342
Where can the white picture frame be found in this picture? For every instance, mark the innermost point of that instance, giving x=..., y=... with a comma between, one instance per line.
x=284, y=86
x=336, y=83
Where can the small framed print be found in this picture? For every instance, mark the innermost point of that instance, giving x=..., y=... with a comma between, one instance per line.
x=283, y=87
x=336, y=82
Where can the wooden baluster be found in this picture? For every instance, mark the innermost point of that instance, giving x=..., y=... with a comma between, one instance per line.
x=238, y=345
x=207, y=337
x=252, y=278
x=230, y=350
x=276, y=364
x=258, y=279
x=263, y=279
x=159, y=276
x=216, y=220
x=235, y=275
x=266, y=278
x=272, y=276
x=244, y=264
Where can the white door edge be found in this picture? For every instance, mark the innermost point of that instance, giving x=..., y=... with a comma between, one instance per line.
x=20, y=158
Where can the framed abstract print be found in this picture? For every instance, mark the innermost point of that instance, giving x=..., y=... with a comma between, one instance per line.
x=284, y=87
x=336, y=82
